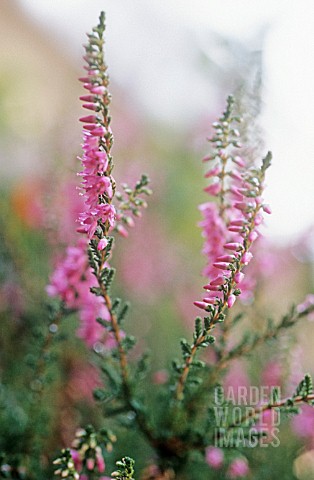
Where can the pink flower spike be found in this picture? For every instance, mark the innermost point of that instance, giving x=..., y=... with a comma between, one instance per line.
x=89, y=119
x=90, y=106
x=103, y=242
x=237, y=247
x=218, y=281
x=213, y=189
x=231, y=299
x=247, y=257
x=267, y=209
x=201, y=305
x=239, y=276
x=221, y=265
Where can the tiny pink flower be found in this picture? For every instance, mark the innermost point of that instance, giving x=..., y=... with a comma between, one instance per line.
x=252, y=236
x=90, y=106
x=231, y=300
x=201, y=305
x=214, y=457
x=239, y=276
x=100, y=90
x=233, y=246
x=103, y=242
x=239, y=161
x=213, y=189
x=267, y=209
x=213, y=172
x=238, y=468
x=89, y=119
x=246, y=258
x=221, y=265
x=218, y=281
x=90, y=464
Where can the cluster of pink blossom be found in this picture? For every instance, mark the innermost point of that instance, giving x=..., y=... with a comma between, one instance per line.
x=71, y=281
x=73, y=278
x=231, y=229
x=93, y=462
x=238, y=468
x=97, y=183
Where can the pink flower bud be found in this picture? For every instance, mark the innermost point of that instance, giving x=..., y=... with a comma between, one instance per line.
x=213, y=172
x=231, y=300
x=100, y=463
x=213, y=288
x=239, y=276
x=246, y=258
x=88, y=98
x=241, y=206
x=122, y=231
x=99, y=90
x=89, y=127
x=221, y=265
x=235, y=229
x=236, y=193
x=218, y=281
x=267, y=209
x=238, y=468
x=240, y=222
x=84, y=79
x=210, y=300
x=225, y=258
x=98, y=131
x=213, y=189
x=103, y=242
x=90, y=464
x=201, y=305
x=237, y=247
x=236, y=176
x=258, y=220
x=252, y=236
x=89, y=119
x=90, y=106
x=239, y=161
x=214, y=457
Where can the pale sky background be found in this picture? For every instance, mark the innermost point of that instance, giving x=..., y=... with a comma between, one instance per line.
x=149, y=49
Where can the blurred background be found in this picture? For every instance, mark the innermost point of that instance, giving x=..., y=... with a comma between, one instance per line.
x=172, y=65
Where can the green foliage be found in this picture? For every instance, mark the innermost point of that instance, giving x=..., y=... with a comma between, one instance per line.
x=125, y=469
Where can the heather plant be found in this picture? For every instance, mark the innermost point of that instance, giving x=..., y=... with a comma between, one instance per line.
x=189, y=420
